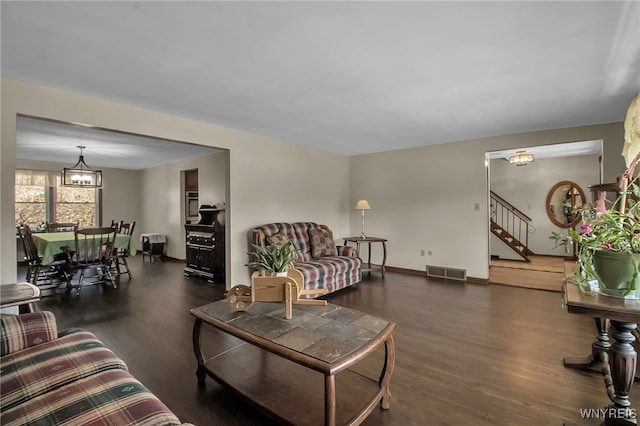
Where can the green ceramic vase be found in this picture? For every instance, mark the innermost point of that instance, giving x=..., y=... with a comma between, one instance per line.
x=617, y=272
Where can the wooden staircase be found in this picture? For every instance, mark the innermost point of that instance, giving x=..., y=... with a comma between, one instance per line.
x=510, y=225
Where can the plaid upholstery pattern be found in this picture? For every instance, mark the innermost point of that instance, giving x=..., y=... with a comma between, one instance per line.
x=297, y=233
x=280, y=239
x=330, y=272
x=322, y=243
x=37, y=370
x=111, y=397
x=18, y=332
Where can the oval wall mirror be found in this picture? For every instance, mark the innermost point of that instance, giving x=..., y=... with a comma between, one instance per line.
x=564, y=202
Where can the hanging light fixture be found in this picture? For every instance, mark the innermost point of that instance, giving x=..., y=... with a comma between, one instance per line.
x=81, y=174
x=521, y=158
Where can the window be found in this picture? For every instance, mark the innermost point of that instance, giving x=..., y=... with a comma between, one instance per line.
x=31, y=196
x=41, y=198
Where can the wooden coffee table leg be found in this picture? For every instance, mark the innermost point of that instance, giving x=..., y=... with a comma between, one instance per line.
x=201, y=372
x=329, y=400
x=387, y=371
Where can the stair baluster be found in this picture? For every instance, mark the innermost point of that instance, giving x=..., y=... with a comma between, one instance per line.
x=510, y=225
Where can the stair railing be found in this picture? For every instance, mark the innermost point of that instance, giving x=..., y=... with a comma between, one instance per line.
x=510, y=219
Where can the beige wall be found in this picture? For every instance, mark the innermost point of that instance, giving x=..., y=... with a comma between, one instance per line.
x=424, y=198
x=162, y=197
x=267, y=179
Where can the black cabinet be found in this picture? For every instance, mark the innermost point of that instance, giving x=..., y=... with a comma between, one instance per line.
x=205, y=249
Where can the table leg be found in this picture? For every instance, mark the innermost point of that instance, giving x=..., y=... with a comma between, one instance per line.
x=26, y=308
x=201, y=372
x=593, y=362
x=329, y=400
x=622, y=363
x=384, y=257
x=387, y=371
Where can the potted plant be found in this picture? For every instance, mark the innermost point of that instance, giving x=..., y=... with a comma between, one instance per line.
x=273, y=259
x=609, y=238
x=609, y=246
x=561, y=240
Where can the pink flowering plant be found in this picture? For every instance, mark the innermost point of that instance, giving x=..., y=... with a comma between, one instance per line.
x=615, y=229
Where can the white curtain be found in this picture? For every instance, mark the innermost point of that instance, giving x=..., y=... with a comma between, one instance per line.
x=36, y=178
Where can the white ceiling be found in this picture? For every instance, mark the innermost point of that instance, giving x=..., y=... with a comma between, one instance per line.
x=57, y=142
x=346, y=77
x=569, y=149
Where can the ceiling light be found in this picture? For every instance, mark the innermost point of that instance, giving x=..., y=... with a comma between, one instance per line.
x=81, y=174
x=521, y=158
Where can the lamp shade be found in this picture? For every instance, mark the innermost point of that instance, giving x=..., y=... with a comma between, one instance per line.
x=363, y=205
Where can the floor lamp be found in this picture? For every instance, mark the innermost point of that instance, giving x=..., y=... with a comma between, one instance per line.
x=363, y=205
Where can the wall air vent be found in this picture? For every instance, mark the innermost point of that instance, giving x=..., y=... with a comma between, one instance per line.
x=445, y=272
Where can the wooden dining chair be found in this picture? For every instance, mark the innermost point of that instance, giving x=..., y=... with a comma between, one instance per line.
x=116, y=224
x=121, y=254
x=94, y=253
x=44, y=276
x=61, y=226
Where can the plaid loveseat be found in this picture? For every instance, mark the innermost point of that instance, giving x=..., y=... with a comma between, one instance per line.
x=68, y=378
x=323, y=264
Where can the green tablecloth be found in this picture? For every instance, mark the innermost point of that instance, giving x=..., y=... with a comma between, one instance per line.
x=51, y=243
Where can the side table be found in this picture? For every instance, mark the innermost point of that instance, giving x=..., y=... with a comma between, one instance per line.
x=22, y=295
x=153, y=245
x=616, y=360
x=370, y=240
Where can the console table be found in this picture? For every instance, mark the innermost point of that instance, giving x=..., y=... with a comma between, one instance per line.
x=370, y=240
x=616, y=360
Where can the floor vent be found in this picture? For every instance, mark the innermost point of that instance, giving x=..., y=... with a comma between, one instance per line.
x=444, y=272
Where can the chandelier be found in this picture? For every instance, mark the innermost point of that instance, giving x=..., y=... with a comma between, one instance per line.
x=81, y=174
x=521, y=158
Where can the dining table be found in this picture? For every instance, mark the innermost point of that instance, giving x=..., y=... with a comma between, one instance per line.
x=51, y=243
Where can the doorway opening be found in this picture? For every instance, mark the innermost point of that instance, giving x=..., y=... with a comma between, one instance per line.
x=526, y=188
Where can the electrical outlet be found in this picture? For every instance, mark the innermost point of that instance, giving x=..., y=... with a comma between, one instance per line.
x=421, y=252
x=476, y=206
x=429, y=253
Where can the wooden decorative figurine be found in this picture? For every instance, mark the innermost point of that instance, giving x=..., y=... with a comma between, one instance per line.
x=273, y=289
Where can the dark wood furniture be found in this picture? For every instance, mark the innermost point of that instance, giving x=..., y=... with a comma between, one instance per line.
x=23, y=295
x=49, y=275
x=327, y=339
x=120, y=255
x=153, y=245
x=93, y=257
x=617, y=360
x=61, y=226
x=369, y=268
x=609, y=188
x=205, y=246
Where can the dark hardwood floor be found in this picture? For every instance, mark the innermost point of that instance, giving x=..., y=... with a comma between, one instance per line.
x=466, y=354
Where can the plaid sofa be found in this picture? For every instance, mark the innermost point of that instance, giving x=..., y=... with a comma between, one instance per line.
x=68, y=378
x=323, y=264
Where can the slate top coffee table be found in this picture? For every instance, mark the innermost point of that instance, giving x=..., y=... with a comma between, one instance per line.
x=328, y=339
